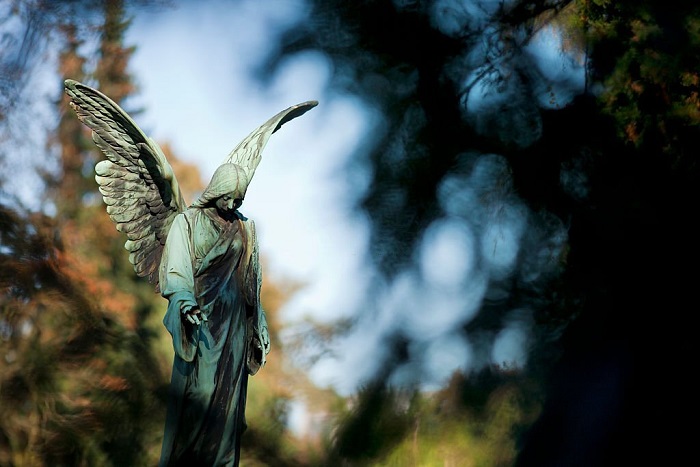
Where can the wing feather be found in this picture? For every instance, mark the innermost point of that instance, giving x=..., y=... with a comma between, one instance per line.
x=145, y=232
x=248, y=153
x=135, y=225
x=136, y=181
x=138, y=256
x=137, y=245
x=127, y=215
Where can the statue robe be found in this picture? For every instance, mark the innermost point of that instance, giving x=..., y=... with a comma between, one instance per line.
x=211, y=263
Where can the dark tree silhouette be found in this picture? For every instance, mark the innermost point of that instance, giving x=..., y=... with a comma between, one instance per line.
x=613, y=171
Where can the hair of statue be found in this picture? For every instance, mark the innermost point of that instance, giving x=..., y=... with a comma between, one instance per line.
x=228, y=178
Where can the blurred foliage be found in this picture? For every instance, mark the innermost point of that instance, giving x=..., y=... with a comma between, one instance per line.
x=78, y=387
x=268, y=439
x=86, y=359
x=81, y=383
x=472, y=421
x=613, y=160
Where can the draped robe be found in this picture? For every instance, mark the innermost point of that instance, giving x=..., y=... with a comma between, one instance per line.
x=211, y=263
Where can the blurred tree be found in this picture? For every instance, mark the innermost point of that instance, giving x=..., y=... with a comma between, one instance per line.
x=30, y=29
x=608, y=180
x=628, y=240
x=83, y=384
x=86, y=359
x=268, y=439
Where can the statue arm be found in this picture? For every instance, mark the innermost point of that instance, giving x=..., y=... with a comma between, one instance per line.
x=177, y=286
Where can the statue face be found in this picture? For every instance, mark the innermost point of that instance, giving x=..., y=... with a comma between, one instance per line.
x=228, y=203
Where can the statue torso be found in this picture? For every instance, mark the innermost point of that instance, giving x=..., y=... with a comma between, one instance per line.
x=207, y=231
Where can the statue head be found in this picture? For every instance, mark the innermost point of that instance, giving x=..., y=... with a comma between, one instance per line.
x=226, y=190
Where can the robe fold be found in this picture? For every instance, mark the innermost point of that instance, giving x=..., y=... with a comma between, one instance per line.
x=211, y=263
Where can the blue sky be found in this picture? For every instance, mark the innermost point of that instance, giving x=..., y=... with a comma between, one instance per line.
x=194, y=68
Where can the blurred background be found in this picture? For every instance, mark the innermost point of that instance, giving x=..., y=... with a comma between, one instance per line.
x=478, y=249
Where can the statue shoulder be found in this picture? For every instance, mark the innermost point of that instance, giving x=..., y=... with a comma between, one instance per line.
x=185, y=221
x=184, y=218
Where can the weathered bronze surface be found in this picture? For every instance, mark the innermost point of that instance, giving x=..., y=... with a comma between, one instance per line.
x=203, y=259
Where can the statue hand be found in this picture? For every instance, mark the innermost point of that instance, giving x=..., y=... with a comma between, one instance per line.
x=258, y=344
x=193, y=314
x=263, y=334
x=264, y=339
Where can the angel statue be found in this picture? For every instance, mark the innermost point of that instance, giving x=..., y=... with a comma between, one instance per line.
x=203, y=259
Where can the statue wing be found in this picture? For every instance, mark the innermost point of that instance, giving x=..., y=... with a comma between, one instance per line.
x=248, y=153
x=136, y=181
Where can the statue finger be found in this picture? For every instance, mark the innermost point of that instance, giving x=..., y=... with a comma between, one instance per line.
x=189, y=318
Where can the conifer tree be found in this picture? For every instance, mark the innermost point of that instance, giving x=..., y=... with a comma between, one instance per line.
x=81, y=381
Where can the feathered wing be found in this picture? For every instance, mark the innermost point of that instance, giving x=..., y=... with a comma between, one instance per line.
x=136, y=181
x=248, y=153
